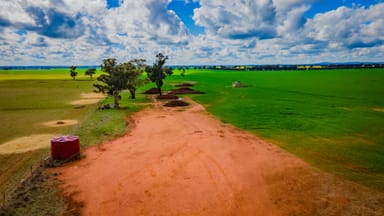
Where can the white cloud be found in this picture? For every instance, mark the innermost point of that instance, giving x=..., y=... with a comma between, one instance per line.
x=13, y=12
x=237, y=19
x=251, y=19
x=352, y=27
x=147, y=20
x=78, y=32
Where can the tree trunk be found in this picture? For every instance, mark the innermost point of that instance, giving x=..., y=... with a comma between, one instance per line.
x=133, y=93
x=116, y=99
x=158, y=84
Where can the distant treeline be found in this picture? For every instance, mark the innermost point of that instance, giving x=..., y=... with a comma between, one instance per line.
x=229, y=67
x=42, y=67
x=283, y=67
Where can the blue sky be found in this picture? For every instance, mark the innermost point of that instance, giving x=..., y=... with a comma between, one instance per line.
x=84, y=32
x=185, y=11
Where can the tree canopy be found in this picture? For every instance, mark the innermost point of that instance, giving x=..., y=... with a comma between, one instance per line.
x=119, y=77
x=90, y=72
x=157, y=73
x=135, y=69
x=72, y=72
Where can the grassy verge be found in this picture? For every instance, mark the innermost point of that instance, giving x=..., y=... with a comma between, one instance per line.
x=103, y=125
x=333, y=119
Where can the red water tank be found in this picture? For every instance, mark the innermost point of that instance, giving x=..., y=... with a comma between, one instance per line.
x=64, y=147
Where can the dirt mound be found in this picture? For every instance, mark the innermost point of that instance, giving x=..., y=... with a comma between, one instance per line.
x=184, y=85
x=27, y=143
x=167, y=96
x=152, y=91
x=176, y=103
x=186, y=90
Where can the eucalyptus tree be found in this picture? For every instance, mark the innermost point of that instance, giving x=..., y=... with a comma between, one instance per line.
x=113, y=81
x=119, y=77
x=72, y=72
x=135, y=69
x=90, y=72
x=157, y=73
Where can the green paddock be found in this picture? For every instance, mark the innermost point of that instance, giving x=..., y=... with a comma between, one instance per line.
x=333, y=119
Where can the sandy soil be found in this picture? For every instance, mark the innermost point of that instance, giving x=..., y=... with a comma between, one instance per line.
x=378, y=109
x=88, y=98
x=185, y=162
x=27, y=143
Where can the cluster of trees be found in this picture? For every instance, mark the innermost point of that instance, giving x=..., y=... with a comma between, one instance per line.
x=128, y=76
x=320, y=66
x=73, y=73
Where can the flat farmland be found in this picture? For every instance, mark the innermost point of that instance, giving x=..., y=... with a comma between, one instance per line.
x=333, y=119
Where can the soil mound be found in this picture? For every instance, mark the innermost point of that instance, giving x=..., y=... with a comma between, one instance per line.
x=184, y=85
x=167, y=96
x=152, y=91
x=176, y=103
x=186, y=90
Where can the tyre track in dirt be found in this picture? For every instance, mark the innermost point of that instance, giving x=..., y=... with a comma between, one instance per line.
x=186, y=162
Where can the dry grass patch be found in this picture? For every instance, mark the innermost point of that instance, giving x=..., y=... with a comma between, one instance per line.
x=85, y=101
x=61, y=123
x=27, y=143
x=92, y=95
x=378, y=109
x=88, y=98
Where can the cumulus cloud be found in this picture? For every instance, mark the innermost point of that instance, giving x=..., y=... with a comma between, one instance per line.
x=237, y=19
x=54, y=19
x=277, y=30
x=66, y=32
x=349, y=27
x=262, y=19
x=147, y=20
x=72, y=26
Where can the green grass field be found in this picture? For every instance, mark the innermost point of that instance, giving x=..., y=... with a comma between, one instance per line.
x=334, y=119
x=30, y=97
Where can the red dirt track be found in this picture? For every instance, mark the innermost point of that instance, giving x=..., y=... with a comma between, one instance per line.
x=183, y=161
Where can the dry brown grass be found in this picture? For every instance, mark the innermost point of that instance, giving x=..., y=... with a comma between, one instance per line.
x=27, y=143
x=61, y=123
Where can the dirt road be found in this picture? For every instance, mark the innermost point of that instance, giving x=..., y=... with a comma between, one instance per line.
x=186, y=162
